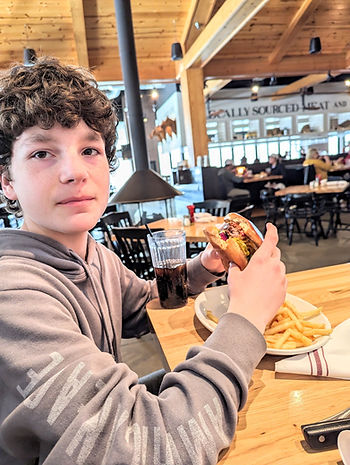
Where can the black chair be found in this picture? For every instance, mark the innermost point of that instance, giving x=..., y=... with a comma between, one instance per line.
x=309, y=174
x=117, y=220
x=307, y=207
x=239, y=202
x=133, y=250
x=338, y=207
x=272, y=206
x=213, y=206
x=247, y=211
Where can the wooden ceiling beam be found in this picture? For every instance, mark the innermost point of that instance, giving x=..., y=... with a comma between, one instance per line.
x=298, y=20
x=224, y=25
x=248, y=68
x=200, y=12
x=78, y=22
x=214, y=85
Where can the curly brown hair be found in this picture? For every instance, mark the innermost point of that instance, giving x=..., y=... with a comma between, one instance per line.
x=47, y=93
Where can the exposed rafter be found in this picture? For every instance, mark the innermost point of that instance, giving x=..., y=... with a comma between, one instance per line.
x=199, y=13
x=214, y=85
x=225, y=24
x=289, y=66
x=307, y=7
x=78, y=21
x=307, y=81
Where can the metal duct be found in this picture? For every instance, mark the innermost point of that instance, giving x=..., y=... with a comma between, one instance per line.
x=145, y=184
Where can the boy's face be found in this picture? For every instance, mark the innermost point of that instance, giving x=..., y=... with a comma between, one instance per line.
x=61, y=178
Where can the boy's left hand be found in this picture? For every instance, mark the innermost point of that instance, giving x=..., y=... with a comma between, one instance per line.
x=211, y=261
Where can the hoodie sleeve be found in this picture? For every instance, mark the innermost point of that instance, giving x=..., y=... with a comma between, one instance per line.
x=66, y=402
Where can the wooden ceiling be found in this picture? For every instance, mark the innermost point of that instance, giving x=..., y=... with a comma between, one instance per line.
x=234, y=39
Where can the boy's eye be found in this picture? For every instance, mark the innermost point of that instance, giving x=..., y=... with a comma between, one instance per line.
x=41, y=154
x=90, y=151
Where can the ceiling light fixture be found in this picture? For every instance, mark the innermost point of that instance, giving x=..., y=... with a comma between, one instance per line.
x=176, y=51
x=315, y=45
x=273, y=81
x=330, y=77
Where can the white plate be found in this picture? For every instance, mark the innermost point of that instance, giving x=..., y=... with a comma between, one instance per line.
x=216, y=300
x=344, y=446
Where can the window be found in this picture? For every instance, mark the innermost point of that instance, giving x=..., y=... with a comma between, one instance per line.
x=238, y=153
x=261, y=149
x=214, y=156
x=250, y=153
x=333, y=145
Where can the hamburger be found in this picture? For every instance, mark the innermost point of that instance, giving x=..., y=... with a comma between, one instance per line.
x=236, y=240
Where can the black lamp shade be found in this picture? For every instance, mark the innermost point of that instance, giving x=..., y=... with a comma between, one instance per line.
x=176, y=51
x=315, y=45
x=29, y=56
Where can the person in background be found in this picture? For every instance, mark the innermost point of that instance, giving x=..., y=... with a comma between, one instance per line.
x=66, y=301
x=276, y=166
x=322, y=164
x=345, y=159
x=230, y=181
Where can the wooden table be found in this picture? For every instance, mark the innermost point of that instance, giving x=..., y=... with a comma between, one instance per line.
x=266, y=178
x=268, y=431
x=329, y=188
x=194, y=232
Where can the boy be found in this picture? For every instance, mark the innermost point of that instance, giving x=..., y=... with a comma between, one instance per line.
x=66, y=301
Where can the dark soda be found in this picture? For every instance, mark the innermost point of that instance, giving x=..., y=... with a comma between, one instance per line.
x=172, y=286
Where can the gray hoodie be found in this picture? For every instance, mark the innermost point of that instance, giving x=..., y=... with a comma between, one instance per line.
x=65, y=395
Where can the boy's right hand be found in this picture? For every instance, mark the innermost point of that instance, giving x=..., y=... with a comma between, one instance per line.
x=259, y=290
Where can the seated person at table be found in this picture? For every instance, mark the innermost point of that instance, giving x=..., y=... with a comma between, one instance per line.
x=345, y=159
x=230, y=180
x=66, y=301
x=276, y=168
x=322, y=164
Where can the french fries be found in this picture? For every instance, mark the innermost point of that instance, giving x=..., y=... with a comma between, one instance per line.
x=210, y=315
x=290, y=329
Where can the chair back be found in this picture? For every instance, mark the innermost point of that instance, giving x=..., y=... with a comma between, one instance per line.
x=110, y=220
x=134, y=250
x=117, y=219
x=309, y=174
x=246, y=211
x=213, y=206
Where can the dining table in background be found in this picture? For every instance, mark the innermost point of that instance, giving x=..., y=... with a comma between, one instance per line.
x=268, y=430
x=194, y=232
x=262, y=178
x=329, y=188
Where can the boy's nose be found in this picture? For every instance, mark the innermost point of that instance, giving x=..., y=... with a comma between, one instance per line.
x=73, y=169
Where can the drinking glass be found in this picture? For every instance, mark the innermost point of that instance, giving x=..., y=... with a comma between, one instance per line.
x=168, y=252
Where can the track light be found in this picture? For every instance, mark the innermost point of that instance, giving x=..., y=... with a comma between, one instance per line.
x=273, y=81
x=176, y=51
x=330, y=77
x=315, y=45
x=254, y=89
x=29, y=56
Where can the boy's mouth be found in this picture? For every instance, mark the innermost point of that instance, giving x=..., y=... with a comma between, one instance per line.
x=75, y=200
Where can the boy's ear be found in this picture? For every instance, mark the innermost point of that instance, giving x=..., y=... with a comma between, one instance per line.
x=7, y=187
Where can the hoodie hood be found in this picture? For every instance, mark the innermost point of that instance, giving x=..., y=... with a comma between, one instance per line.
x=32, y=246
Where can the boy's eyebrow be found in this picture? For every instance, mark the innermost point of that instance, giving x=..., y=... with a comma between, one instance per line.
x=93, y=135
x=42, y=137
